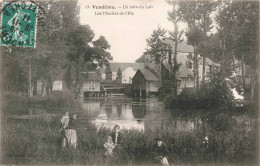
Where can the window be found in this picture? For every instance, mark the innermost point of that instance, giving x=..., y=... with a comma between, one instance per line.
x=91, y=85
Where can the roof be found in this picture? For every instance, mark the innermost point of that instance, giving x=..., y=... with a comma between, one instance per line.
x=148, y=75
x=181, y=47
x=208, y=62
x=108, y=82
x=183, y=70
x=115, y=66
x=90, y=76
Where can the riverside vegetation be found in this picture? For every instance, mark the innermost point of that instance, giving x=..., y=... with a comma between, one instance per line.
x=36, y=141
x=221, y=139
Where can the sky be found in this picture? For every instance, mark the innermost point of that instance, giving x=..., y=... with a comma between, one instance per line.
x=126, y=34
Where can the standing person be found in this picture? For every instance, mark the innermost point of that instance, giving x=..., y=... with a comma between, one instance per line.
x=65, y=121
x=71, y=133
x=64, y=124
x=161, y=152
x=116, y=135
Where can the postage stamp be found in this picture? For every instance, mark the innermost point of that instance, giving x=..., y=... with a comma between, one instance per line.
x=19, y=24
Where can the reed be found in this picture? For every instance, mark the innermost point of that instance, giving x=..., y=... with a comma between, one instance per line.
x=37, y=142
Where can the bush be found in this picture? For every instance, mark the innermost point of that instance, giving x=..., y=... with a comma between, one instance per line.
x=214, y=95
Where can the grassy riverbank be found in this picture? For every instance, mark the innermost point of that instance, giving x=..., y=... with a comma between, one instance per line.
x=36, y=142
x=57, y=102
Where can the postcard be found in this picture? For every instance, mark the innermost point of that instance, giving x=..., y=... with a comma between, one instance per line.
x=129, y=82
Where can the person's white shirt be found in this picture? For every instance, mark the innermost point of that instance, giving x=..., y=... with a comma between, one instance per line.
x=65, y=121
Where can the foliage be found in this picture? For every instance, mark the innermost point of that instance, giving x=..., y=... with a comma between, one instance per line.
x=83, y=52
x=197, y=16
x=73, y=46
x=214, y=95
x=141, y=59
x=157, y=47
x=36, y=142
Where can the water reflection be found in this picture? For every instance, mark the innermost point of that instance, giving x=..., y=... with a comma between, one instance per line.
x=145, y=114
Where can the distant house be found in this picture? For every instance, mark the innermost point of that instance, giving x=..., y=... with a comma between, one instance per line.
x=145, y=82
x=91, y=84
x=58, y=85
x=128, y=70
x=210, y=68
x=238, y=72
x=185, y=76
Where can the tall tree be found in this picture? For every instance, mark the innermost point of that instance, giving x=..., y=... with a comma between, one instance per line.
x=197, y=15
x=157, y=46
x=175, y=36
x=83, y=52
x=238, y=28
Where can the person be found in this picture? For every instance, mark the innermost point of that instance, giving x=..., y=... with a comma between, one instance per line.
x=161, y=152
x=64, y=121
x=70, y=132
x=109, y=146
x=116, y=135
x=64, y=124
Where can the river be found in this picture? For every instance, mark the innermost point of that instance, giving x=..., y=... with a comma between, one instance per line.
x=128, y=113
x=137, y=114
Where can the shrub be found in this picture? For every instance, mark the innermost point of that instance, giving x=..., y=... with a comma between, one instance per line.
x=214, y=95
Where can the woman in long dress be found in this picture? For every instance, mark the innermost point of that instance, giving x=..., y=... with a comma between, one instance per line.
x=70, y=132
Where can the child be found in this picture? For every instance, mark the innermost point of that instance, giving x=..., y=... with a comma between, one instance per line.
x=65, y=121
x=161, y=152
x=116, y=135
x=109, y=146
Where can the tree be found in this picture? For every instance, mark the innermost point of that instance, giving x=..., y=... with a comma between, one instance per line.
x=238, y=29
x=197, y=15
x=83, y=52
x=175, y=36
x=157, y=47
x=46, y=60
x=141, y=59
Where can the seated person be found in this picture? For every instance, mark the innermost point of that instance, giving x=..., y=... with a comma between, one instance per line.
x=109, y=146
x=161, y=152
x=116, y=135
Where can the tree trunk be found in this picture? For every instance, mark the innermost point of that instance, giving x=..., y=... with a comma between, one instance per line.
x=30, y=79
x=203, y=69
x=233, y=61
x=175, y=66
x=49, y=89
x=44, y=89
x=252, y=85
x=243, y=71
x=196, y=68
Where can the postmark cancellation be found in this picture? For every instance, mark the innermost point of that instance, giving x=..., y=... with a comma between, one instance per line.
x=19, y=24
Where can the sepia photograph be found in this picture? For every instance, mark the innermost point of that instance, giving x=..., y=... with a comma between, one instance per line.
x=129, y=82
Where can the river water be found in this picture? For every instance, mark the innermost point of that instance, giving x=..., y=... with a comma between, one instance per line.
x=130, y=114
x=137, y=114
